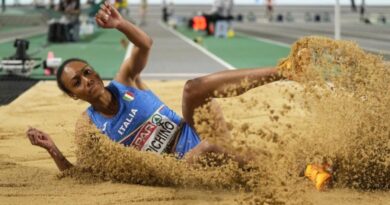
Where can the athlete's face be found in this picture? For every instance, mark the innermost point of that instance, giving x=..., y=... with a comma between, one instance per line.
x=82, y=81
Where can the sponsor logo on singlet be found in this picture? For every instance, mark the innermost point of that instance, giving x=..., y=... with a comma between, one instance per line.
x=104, y=127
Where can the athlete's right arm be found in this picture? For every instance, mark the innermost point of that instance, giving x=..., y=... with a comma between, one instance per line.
x=43, y=140
x=130, y=70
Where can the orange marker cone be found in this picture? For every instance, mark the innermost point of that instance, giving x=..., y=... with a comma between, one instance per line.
x=319, y=175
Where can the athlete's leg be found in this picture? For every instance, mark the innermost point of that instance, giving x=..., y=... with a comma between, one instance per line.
x=201, y=90
x=222, y=84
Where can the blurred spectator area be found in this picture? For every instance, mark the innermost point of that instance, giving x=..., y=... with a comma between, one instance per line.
x=26, y=15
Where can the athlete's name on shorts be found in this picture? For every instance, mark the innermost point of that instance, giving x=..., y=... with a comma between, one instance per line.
x=127, y=121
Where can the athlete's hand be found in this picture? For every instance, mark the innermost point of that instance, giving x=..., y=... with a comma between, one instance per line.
x=108, y=16
x=40, y=138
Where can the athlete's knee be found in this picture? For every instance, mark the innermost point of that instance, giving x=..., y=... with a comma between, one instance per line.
x=203, y=147
x=207, y=147
x=192, y=88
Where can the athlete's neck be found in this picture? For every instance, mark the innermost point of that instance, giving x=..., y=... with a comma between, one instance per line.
x=106, y=104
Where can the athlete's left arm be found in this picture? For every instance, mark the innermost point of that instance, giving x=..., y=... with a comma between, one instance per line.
x=129, y=72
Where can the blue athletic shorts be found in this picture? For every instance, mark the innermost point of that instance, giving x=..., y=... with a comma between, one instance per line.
x=188, y=140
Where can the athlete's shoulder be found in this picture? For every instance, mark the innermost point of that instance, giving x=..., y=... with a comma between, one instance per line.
x=123, y=82
x=136, y=83
x=116, y=86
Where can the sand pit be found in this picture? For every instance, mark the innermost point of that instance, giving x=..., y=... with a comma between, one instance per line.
x=284, y=125
x=29, y=176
